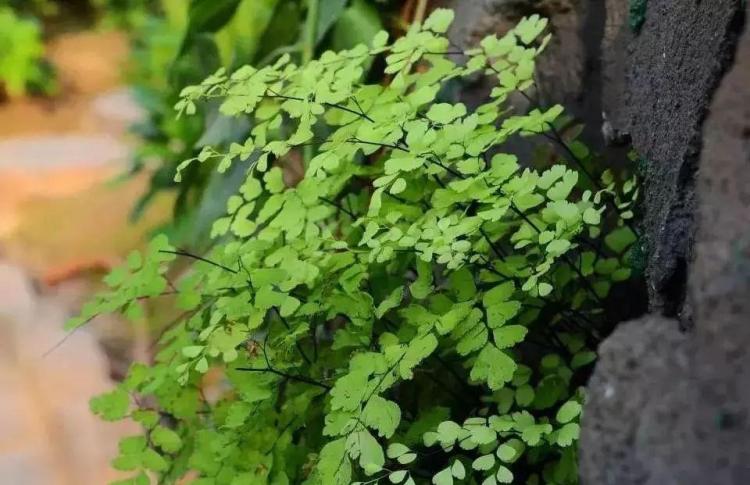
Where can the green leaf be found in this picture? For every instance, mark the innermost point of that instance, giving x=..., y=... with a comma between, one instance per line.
x=458, y=470
x=493, y=366
x=582, y=359
x=364, y=446
x=568, y=434
x=455, y=315
x=462, y=284
x=396, y=449
x=392, y=301
x=407, y=458
x=473, y=334
x=274, y=180
x=376, y=202
x=532, y=435
x=504, y=475
x=192, y=351
x=380, y=39
x=529, y=28
x=445, y=113
x=397, y=477
x=444, y=477
x=382, y=415
x=620, y=239
x=333, y=464
x=419, y=349
x=568, y=411
x=202, y=365
x=423, y=284
x=558, y=246
x=499, y=314
x=591, y=216
x=166, y=439
x=448, y=432
x=509, y=335
x=242, y=226
x=237, y=414
x=111, y=406
x=288, y=306
x=398, y=186
x=525, y=395
x=349, y=391
x=220, y=227
x=544, y=289
x=147, y=418
x=154, y=461
x=562, y=189
x=499, y=294
x=267, y=298
x=510, y=451
x=484, y=462
x=439, y=20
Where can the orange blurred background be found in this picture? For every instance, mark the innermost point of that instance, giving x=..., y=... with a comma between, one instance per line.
x=63, y=222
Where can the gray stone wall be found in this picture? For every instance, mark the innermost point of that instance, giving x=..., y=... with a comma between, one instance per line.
x=682, y=414
x=669, y=400
x=672, y=69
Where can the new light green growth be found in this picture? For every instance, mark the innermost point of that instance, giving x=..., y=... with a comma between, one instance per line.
x=416, y=309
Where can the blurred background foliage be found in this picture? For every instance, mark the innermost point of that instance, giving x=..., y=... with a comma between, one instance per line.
x=179, y=42
x=22, y=65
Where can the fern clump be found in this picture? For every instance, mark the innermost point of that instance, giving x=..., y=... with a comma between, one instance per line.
x=419, y=308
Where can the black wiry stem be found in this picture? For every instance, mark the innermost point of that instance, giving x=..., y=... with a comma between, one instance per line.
x=293, y=377
x=339, y=207
x=330, y=105
x=299, y=347
x=182, y=252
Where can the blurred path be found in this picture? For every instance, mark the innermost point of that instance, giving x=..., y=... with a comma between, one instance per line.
x=62, y=219
x=48, y=436
x=56, y=154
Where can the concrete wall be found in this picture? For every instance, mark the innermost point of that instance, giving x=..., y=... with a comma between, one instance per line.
x=669, y=400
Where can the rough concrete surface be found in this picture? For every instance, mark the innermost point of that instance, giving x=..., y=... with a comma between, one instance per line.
x=634, y=365
x=614, y=53
x=683, y=413
x=674, y=66
x=719, y=283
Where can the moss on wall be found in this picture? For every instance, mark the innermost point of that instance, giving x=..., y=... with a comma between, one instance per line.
x=637, y=14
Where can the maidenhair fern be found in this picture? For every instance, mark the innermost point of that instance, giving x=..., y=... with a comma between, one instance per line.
x=419, y=308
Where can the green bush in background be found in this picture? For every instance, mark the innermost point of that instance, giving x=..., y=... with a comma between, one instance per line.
x=22, y=64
